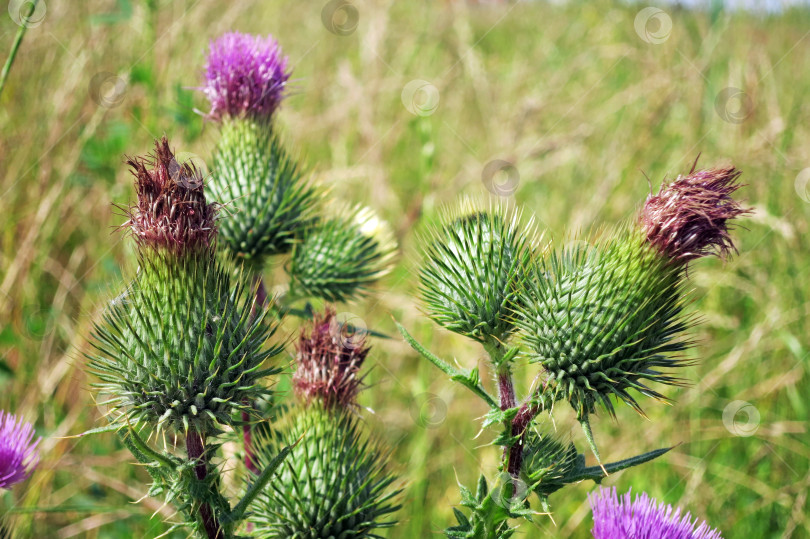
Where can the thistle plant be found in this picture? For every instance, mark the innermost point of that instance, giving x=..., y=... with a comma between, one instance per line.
x=617, y=517
x=604, y=322
x=271, y=209
x=267, y=198
x=181, y=354
x=18, y=450
x=335, y=482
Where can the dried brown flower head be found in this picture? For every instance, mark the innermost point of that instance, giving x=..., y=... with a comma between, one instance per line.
x=689, y=218
x=171, y=211
x=329, y=358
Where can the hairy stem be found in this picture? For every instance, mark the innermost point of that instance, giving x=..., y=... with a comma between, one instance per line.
x=195, y=447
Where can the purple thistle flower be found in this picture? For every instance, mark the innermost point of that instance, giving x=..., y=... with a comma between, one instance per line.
x=329, y=359
x=18, y=456
x=688, y=218
x=643, y=518
x=245, y=75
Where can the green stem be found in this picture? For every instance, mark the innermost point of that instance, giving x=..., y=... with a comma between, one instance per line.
x=195, y=447
x=454, y=374
x=16, y=45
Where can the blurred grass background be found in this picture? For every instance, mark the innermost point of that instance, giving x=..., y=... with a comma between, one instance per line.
x=571, y=95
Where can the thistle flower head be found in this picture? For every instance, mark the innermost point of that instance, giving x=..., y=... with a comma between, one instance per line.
x=341, y=255
x=171, y=212
x=641, y=518
x=689, y=218
x=329, y=358
x=335, y=482
x=245, y=75
x=18, y=455
x=474, y=270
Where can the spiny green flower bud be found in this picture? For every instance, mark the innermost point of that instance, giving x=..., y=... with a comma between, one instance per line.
x=178, y=349
x=340, y=256
x=547, y=464
x=328, y=361
x=473, y=273
x=333, y=484
x=605, y=320
x=261, y=186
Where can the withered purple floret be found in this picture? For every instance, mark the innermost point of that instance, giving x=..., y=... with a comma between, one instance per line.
x=690, y=217
x=171, y=211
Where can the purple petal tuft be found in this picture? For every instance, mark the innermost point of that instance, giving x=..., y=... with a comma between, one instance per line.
x=245, y=75
x=18, y=455
x=642, y=518
x=689, y=218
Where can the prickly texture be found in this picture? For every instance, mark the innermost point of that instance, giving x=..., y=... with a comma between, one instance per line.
x=18, y=450
x=245, y=75
x=179, y=348
x=473, y=273
x=547, y=464
x=329, y=357
x=266, y=200
x=341, y=255
x=604, y=320
x=171, y=212
x=642, y=518
x=333, y=484
x=689, y=218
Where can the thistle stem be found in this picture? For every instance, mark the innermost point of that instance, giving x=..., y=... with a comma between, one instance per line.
x=195, y=447
x=247, y=434
x=16, y=45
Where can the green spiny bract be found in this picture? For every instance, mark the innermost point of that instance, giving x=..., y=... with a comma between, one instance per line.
x=341, y=255
x=547, y=464
x=178, y=349
x=473, y=273
x=262, y=188
x=333, y=484
x=603, y=320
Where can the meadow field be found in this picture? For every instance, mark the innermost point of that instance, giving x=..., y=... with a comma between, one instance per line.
x=573, y=110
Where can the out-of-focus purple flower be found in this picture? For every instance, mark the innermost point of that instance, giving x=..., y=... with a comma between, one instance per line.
x=329, y=360
x=642, y=518
x=245, y=75
x=18, y=454
x=689, y=218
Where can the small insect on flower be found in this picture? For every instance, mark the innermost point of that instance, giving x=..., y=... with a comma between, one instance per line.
x=245, y=75
x=642, y=518
x=18, y=450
